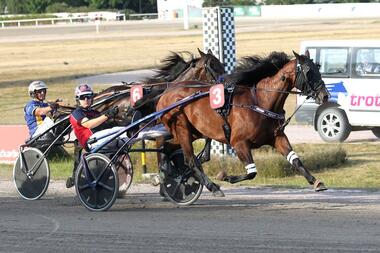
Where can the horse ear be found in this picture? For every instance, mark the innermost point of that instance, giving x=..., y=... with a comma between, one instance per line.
x=307, y=53
x=296, y=55
x=209, y=51
x=201, y=53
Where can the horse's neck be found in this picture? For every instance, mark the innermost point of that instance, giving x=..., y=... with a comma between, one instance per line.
x=188, y=74
x=283, y=81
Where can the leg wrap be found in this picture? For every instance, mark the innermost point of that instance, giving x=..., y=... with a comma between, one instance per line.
x=291, y=156
x=251, y=168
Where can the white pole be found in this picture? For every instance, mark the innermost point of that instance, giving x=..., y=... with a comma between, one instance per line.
x=185, y=16
x=97, y=24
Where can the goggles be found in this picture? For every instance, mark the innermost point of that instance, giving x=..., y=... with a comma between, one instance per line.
x=88, y=96
x=40, y=91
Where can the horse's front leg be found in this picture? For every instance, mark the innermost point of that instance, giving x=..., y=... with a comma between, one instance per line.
x=283, y=146
x=244, y=154
x=192, y=162
x=204, y=156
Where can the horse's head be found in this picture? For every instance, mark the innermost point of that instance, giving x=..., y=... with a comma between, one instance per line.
x=208, y=67
x=309, y=80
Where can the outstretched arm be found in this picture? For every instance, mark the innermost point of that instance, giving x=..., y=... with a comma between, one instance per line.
x=42, y=111
x=92, y=123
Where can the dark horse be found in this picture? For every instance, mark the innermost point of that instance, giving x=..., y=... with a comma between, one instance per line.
x=256, y=114
x=175, y=68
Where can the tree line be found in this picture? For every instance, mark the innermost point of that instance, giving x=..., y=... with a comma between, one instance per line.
x=50, y=6
x=131, y=6
x=208, y=3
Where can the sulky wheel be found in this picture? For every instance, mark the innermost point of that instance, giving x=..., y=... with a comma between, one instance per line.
x=31, y=174
x=125, y=173
x=97, y=183
x=179, y=184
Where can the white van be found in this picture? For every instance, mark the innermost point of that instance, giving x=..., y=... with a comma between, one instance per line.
x=351, y=72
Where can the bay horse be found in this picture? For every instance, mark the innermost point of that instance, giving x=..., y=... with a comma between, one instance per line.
x=174, y=68
x=256, y=115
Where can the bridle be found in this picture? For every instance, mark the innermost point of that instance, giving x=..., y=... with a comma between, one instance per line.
x=207, y=66
x=302, y=82
x=306, y=87
x=210, y=70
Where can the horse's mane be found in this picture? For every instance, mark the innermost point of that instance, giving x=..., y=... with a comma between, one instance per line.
x=172, y=66
x=114, y=88
x=252, y=69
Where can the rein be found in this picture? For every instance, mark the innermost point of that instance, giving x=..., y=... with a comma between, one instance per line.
x=274, y=115
x=210, y=70
x=278, y=91
x=145, y=85
x=265, y=112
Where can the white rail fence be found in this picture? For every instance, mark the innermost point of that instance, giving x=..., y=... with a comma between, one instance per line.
x=51, y=21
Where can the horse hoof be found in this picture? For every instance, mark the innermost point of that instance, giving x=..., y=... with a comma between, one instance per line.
x=319, y=186
x=121, y=194
x=221, y=176
x=217, y=193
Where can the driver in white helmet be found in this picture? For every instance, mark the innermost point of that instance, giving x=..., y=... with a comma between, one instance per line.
x=35, y=111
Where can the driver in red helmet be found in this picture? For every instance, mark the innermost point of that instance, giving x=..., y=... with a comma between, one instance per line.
x=88, y=123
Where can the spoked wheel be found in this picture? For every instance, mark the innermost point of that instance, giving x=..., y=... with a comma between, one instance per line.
x=125, y=173
x=31, y=174
x=97, y=183
x=179, y=184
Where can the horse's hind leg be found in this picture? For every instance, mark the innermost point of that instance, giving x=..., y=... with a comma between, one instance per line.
x=243, y=151
x=283, y=146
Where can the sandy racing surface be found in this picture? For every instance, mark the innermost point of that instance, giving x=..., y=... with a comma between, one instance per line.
x=246, y=220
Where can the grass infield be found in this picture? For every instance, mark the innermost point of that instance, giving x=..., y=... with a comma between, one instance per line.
x=60, y=62
x=338, y=165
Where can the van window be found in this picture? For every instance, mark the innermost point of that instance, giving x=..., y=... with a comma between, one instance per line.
x=334, y=61
x=367, y=62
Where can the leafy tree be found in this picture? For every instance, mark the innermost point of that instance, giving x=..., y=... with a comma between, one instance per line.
x=36, y=6
x=243, y=2
x=283, y=2
x=2, y=6
x=57, y=7
x=73, y=3
x=115, y=3
x=208, y=3
x=98, y=4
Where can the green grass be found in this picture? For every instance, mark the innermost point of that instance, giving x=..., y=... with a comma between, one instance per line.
x=31, y=16
x=60, y=62
x=359, y=169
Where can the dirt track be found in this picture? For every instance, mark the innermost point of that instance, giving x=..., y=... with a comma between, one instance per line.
x=246, y=220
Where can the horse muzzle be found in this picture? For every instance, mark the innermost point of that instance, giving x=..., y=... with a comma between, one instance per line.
x=323, y=96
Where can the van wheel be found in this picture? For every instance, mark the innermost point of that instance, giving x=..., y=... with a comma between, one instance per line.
x=333, y=125
x=376, y=132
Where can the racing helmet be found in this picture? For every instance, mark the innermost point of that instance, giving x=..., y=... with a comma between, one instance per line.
x=83, y=89
x=36, y=85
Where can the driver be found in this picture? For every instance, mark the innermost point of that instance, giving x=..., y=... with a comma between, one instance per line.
x=367, y=64
x=88, y=123
x=36, y=110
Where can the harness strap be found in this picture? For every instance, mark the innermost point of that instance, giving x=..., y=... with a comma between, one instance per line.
x=279, y=91
x=283, y=125
x=265, y=112
x=225, y=111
